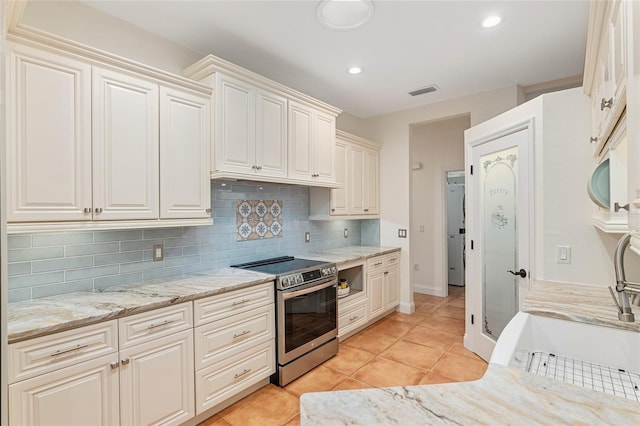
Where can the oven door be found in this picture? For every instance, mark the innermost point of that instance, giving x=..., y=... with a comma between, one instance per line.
x=307, y=318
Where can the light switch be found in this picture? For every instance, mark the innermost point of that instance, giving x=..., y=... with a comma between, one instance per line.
x=563, y=254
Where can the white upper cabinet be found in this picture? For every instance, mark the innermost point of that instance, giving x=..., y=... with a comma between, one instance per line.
x=49, y=137
x=185, y=189
x=265, y=131
x=93, y=146
x=311, y=144
x=357, y=171
x=125, y=147
x=251, y=128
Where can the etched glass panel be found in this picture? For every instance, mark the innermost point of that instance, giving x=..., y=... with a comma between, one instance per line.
x=498, y=176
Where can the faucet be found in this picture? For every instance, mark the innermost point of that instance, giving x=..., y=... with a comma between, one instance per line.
x=623, y=287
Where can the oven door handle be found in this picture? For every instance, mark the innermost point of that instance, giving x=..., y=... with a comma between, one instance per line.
x=291, y=295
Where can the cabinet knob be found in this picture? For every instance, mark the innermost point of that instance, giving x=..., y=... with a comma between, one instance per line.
x=593, y=139
x=258, y=167
x=208, y=210
x=125, y=361
x=366, y=210
x=113, y=365
x=333, y=210
x=87, y=210
x=254, y=167
x=98, y=209
x=606, y=103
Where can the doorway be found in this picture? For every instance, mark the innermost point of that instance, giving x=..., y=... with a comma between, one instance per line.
x=455, y=216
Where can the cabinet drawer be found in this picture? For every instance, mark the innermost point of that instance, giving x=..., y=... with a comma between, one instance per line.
x=221, y=339
x=352, y=317
x=375, y=263
x=392, y=259
x=33, y=357
x=151, y=325
x=233, y=302
x=221, y=381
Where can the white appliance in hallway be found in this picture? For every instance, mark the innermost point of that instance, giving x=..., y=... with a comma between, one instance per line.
x=455, y=228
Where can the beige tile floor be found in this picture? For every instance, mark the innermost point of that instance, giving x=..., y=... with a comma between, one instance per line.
x=422, y=348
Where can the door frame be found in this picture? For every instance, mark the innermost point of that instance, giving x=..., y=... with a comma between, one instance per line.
x=444, y=234
x=473, y=291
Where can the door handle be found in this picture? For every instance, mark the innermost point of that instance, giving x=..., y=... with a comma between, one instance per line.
x=521, y=272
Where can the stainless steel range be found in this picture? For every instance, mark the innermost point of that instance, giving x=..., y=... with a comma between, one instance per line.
x=306, y=313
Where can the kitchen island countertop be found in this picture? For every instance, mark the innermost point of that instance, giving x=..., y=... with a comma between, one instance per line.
x=504, y=395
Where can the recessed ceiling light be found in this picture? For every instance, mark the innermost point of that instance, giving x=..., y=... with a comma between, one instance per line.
x=344, y=15
x=491, y=21
x=355, y=70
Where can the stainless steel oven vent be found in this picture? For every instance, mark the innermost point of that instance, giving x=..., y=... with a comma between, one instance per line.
x=428, y=89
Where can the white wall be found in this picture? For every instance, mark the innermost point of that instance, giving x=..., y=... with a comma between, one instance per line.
x=439, y=146
x=566, y=210
x=393, y=132
x=75, y=21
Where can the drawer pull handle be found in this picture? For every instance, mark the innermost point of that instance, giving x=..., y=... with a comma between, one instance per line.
x=114, y=365
x=386, y=272
x=125, y=361
x=377, y=264
x=353, y=318
x=244, y=332
x=245, y=371
x=240, y=302
x=165, y=322
x=393, y=259
x=66, y=351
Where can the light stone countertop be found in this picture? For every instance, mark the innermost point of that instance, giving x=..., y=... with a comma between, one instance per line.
x=504, y=395
x=48, y=315
x=577, y=302
x=349, y=254
x=38, y=317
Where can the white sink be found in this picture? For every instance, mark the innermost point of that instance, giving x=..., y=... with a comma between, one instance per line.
x=601, y=354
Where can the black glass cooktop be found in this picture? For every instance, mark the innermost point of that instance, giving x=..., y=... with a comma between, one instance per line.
x=280, y=265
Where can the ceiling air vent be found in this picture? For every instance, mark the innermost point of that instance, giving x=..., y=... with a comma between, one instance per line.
x=428, y=89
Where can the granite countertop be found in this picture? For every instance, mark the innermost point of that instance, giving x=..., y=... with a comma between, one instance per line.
x=349, y=254
x=577, y=302
x=504, y=395
x=38, y=317
x=48, y=315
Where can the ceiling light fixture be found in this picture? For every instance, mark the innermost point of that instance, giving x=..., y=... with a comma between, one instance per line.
x=355, y=70
x=491, y=21
x=344, y=15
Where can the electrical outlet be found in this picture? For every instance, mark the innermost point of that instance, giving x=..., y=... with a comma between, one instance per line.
x=402, y=233
x=307, y=237
x=346, y=232
x=158, y=252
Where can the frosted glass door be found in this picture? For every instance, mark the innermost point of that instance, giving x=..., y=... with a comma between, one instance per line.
x=499, y=185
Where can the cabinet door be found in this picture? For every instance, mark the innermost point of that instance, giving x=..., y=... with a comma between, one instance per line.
x=300, y=142
x=80, y=395
x=339, y=197
x=376, y=294
x=324, y=151
x=392, y=288
x=235, y=125
x=49, y=137
x=125, y=147
x=271, y=134
x=157, y=381
x=356, y=175
x=371, y=183
x=185, y=185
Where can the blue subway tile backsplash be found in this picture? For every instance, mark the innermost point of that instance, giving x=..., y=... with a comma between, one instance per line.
x=46, y=264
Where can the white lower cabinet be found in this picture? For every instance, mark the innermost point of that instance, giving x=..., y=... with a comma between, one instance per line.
x=80, y=395
x=149, y=368
x=234, y=343
x=383, y=281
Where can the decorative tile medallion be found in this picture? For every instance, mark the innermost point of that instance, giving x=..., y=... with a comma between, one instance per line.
x=258, y=219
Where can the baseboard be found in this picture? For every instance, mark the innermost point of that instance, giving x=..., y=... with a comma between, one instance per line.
x=424, y=289
x=407, y=308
